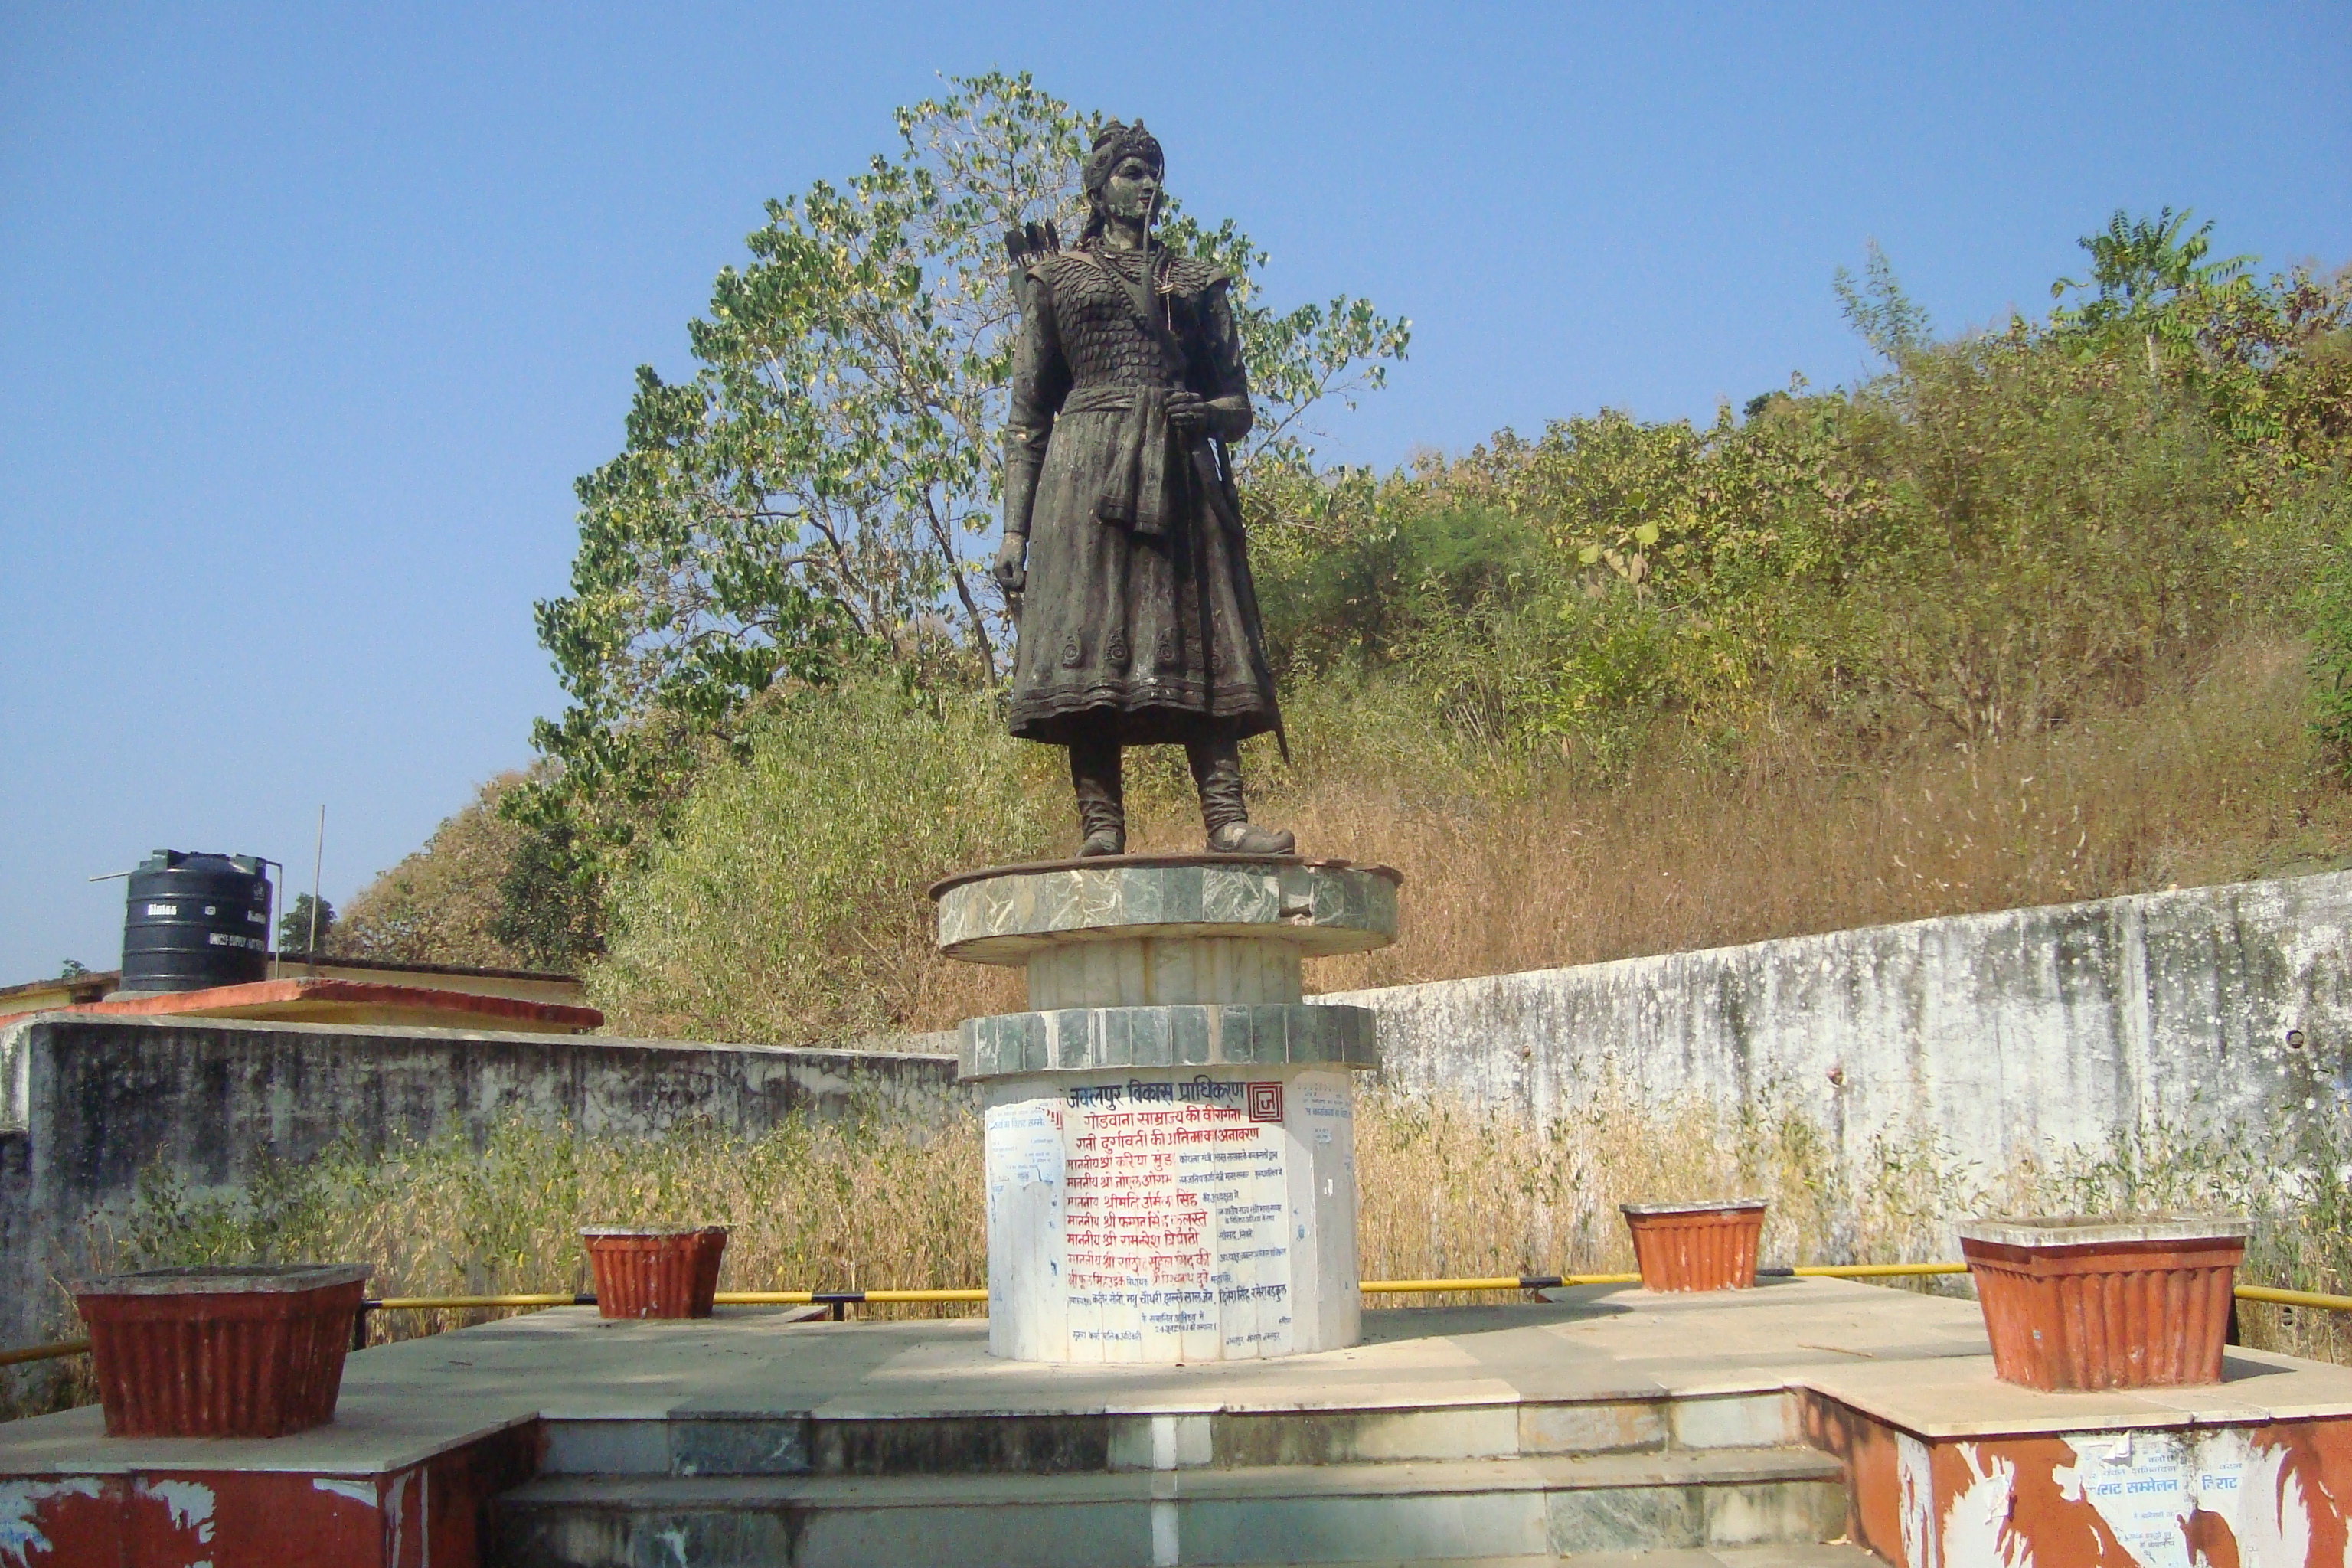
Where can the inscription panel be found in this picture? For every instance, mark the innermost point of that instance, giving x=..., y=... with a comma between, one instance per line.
x=1169, y=1216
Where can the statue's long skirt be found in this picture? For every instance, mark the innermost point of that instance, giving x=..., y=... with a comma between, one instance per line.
x=1144, y=639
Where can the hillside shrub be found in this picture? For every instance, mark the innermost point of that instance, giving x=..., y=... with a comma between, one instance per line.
x=789, y=903
x=2331, y=658
x=442, y=904
x=1998, y=531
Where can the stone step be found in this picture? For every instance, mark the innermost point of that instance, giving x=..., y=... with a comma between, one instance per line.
x=1356, y=1514
x=1063, y=1443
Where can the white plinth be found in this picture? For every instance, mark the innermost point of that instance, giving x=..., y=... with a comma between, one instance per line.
x=1166, y=1215
x=1170, y=1130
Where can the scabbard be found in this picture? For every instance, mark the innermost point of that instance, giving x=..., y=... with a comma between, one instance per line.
x=1218, y=493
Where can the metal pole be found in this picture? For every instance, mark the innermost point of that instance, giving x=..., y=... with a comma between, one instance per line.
x=317, y=867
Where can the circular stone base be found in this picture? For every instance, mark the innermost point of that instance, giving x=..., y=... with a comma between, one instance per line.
x=1079, y=1039
x=1009, y=914
x=1162, y=1216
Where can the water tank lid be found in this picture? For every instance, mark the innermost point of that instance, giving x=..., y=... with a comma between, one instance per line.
x=171, y=860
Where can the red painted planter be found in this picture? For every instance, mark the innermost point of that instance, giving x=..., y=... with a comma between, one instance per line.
x=655, y=1271
x=1696, y=1246
x=2077, y=1303
x=220, y=1352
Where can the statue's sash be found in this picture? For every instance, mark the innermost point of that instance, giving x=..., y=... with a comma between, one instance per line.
x=1146, y=485
x=1142, y=490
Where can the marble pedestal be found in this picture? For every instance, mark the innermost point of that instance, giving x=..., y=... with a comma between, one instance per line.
x=1171, y=1128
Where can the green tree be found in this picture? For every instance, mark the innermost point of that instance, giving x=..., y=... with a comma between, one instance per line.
x=550, y=906
x=813, y=496
x=2268, y=360
x=2152, y=281
x=297, y=934
x=1987, y=534
x=1889, y=321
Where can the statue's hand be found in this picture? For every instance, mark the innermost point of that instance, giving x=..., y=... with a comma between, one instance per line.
x=1230, y=417
x=1188, y=411
x=1010, y=574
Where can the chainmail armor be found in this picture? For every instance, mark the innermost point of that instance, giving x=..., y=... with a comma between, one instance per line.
x=1094, y=316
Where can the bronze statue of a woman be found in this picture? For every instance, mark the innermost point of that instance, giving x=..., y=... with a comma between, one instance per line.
x=1138, y=623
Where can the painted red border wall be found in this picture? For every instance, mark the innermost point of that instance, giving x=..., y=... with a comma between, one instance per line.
x=458, y=1005
x=437, y=1512
x=1955, y=1502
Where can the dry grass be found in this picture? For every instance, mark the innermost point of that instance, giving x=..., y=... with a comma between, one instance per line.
x=1447, y=1191
x=861, y=1204
x=1450, y=1191
x=2210, y=778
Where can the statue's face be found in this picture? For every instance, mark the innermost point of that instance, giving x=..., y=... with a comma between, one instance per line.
x=1132, y=190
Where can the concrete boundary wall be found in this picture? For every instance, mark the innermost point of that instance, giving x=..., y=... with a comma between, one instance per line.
x=2013, y=1034
x=87, y=1103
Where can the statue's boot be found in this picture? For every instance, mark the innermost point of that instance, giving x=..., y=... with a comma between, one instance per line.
x=1217, y=774
x=1098, y=774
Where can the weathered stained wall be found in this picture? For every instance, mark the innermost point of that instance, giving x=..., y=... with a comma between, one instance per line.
x=87, y=1103
x=2010, y=1033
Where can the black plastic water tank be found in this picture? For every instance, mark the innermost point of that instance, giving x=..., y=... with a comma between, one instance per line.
x=195, y=921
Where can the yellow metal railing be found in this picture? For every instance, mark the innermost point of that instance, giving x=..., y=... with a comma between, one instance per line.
x=2263, y=1293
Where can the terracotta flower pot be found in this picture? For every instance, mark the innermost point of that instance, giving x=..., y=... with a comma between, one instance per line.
x=2123, y=1302
x=220, y=1352
x=1696, y=1246
x=655, y=1271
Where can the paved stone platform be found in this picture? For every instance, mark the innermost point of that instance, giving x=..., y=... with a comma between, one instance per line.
x=1609, y=1419
x=1592, y=1345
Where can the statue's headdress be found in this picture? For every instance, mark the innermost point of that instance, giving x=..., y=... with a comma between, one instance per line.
x=1116, y=142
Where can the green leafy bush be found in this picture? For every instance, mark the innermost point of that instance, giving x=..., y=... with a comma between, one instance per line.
x=2331, y=656
x=1998, y=529
x=788, y=899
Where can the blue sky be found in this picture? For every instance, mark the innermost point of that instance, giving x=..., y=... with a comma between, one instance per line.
x=310, y=316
